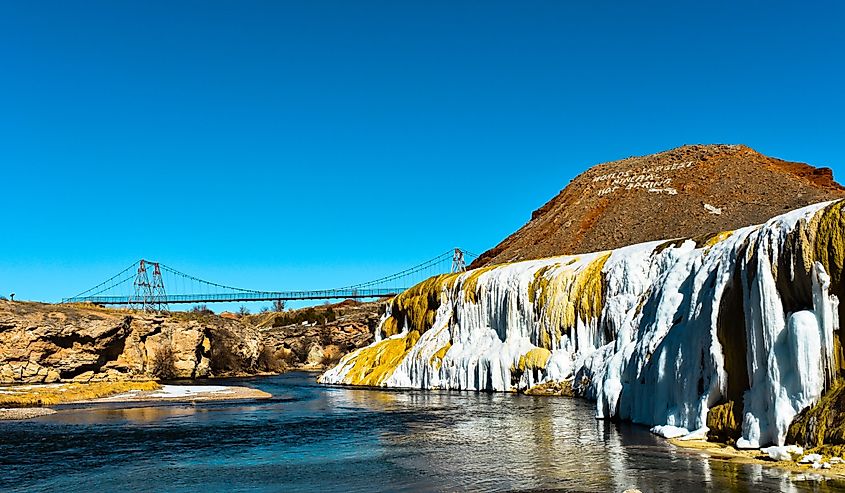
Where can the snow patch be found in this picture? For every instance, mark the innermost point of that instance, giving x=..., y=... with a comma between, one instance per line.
x=810, y=458
x=668, y=431
x=712, y=209
x=784, y=452
x=168, y=391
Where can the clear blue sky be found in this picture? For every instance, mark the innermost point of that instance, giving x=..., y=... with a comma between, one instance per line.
x=291, y=145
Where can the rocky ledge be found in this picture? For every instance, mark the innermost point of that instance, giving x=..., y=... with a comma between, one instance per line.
x=47, y=343
x=44, y=343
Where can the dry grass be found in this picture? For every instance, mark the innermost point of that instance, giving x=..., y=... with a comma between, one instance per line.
x=48, y=395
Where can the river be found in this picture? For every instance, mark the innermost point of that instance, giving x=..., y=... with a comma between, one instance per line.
x=315, y=438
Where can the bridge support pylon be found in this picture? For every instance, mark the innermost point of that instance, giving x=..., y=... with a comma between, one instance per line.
x=148, y=296
x=458, y=264
x=158, y=302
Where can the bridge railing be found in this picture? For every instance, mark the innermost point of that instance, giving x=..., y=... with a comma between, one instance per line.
x=246, y=296
x=136, y=287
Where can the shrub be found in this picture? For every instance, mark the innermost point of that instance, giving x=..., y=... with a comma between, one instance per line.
x=310, y=315
x=270, y=361
x=223, y=358
x=163, y=365
x=326, y=336
x=330, y=359
x=201, y=310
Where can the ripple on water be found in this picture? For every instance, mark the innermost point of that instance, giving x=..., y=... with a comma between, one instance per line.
x=313, y=438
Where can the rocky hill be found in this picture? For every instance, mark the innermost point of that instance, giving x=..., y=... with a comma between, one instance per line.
x=689, y=191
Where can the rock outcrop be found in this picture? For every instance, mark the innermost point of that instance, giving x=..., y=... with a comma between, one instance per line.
x=688, y=191
x=316, y=338
x=47, y=343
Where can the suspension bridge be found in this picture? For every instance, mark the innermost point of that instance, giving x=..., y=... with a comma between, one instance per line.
x=153, y=286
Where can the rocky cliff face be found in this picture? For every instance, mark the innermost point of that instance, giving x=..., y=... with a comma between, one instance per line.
x=688, y=191
x=315, y=338
x=733, y=333
x=48, y=343
x=44, y=343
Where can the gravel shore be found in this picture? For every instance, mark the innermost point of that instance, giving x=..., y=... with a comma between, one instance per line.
x=24, y=412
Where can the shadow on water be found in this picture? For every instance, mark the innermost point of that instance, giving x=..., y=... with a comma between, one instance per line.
x=314, y=438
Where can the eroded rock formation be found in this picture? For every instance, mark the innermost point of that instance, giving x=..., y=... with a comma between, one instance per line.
x=737, y=332
x=316, y=338
x=47, y=343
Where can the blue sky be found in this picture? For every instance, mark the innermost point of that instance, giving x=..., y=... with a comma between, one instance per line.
x=294, y=145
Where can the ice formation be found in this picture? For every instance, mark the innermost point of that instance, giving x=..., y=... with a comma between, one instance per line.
x=735, y=330
x=786, y=452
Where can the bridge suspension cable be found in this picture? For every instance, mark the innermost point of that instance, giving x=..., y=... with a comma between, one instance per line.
x=112, y=278
x=134, y=287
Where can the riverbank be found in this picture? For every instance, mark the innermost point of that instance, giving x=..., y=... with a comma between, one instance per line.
x=31, y=401
x=20, y=413
x=44, y=395
x=833, y=470
x=186, y=393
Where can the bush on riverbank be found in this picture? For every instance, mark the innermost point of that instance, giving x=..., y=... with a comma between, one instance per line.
x=163, y=365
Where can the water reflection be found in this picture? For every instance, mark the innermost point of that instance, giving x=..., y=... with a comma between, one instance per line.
x=342, y=439
x=137, y=415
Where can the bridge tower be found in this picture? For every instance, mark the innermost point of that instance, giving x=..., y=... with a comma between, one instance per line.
x=158, y=298
x=142, y=289
x=458, y=264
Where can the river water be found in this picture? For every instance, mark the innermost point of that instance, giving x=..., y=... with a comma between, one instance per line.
x=315, y=438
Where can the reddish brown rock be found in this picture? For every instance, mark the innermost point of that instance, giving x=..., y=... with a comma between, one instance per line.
x=684, y=192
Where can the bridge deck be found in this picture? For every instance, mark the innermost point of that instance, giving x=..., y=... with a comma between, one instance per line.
x=245, y=296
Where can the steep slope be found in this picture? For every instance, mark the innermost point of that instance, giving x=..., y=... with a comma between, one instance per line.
x=736, y=332
x=688, y=191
